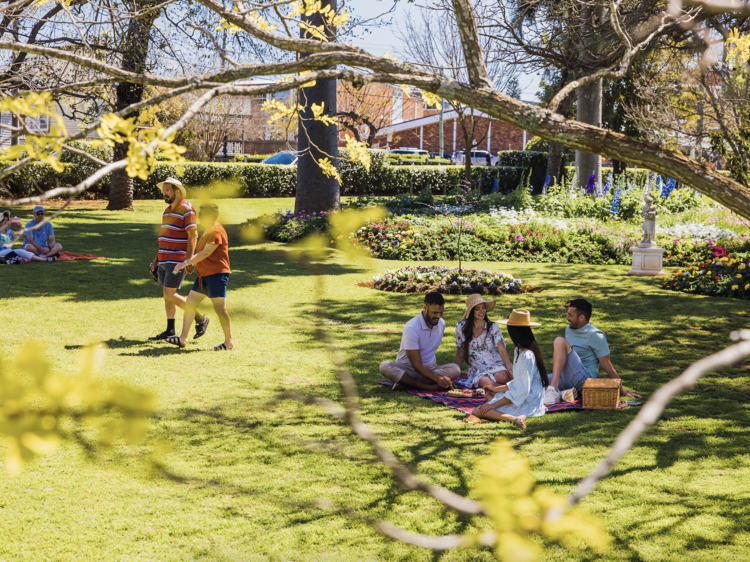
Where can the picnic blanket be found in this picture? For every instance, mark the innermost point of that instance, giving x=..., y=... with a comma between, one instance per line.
x=466, y=405
x=70, y=256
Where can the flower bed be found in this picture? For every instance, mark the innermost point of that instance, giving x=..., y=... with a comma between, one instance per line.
x=487, y=238
x=448, y=280
x=723, y=277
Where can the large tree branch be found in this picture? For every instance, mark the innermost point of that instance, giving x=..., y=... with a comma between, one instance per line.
x=467, y=29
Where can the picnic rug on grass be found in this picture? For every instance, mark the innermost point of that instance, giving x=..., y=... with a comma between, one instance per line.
x=69, y=256
x=466, y=405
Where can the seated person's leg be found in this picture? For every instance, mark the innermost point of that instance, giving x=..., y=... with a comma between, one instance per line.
x=32, y=249
x=55, y=250
x=493, y=414
x=574, y=374
x=450, y=370
x=559, y=359
x=403, y=374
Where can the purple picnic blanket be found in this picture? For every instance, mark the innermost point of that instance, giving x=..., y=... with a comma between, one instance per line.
x=466, y=405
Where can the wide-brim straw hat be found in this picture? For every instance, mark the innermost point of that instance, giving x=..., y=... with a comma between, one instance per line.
x=174, y=182
x=474, y=300
x=519, y=317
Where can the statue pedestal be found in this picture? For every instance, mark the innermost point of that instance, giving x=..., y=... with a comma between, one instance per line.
x=647, y=262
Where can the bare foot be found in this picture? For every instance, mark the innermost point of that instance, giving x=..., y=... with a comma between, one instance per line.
x=520, y=421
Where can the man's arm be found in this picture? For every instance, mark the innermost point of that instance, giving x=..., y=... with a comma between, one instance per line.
x=606, y=362
x=415, y=358
x=30, y=240
x=191, y=243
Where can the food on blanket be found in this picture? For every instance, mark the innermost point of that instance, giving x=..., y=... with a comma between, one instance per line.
x=479, y=392
x=464, y=393
x=456, y=392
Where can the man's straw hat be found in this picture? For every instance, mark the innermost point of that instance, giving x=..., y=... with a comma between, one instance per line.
x=474, y=300
x=174, y=182
x=519, y=317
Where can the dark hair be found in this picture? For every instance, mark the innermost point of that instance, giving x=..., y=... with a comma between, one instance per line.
x=469, y=331
x=523, y=338
x=434, y=298
x=582, y=306
x=209, y=209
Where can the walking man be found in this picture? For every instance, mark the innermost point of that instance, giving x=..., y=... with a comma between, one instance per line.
x=177, y=238
x=416, y=365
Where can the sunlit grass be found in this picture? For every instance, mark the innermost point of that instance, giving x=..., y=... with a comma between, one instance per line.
x=250, y=470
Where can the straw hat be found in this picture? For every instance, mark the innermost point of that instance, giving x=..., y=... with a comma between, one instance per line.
x=474, y=300
x=519, y=317
x=174, y=182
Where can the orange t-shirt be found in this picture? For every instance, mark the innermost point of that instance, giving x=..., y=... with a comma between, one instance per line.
x=218, y=261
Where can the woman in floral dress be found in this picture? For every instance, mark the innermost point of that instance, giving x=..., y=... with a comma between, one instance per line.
x=480, y=343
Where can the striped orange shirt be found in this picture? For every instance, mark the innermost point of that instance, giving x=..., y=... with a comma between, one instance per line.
x=173, y=234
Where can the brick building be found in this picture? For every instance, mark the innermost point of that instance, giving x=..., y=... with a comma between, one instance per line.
x=424, y=133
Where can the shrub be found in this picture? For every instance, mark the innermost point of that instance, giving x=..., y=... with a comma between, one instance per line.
x=526, y=160
x=103, y=152
x=288, y=226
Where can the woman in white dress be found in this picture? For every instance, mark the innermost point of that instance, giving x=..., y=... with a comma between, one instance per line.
x=522, y=397
x=480, y=343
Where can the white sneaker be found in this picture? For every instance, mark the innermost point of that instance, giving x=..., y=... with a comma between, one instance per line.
x=551, y=396
x=570, y=395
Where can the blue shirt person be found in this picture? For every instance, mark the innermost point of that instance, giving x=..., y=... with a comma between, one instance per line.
x=41, y=240
x=578, y=355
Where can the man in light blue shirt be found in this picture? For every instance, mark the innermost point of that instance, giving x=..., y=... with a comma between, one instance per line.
x=578, y=355
x=416, y=364
x=41, y=240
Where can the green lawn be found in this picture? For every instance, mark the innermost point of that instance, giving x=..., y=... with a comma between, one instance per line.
x=248, y=470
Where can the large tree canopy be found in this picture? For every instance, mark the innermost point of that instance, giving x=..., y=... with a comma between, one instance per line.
x=275, y=27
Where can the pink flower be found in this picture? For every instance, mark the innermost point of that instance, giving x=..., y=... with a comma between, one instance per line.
x=519, y=238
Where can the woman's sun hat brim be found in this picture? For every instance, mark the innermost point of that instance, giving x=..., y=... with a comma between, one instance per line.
x=519, y=317
x=474, y=300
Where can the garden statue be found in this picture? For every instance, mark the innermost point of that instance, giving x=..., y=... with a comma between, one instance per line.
x=649, y=223
x=647, y=258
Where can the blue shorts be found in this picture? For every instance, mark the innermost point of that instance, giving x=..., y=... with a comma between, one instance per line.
x=214, y=286
x=574, y=374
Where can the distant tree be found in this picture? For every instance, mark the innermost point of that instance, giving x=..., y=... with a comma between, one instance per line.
x=364, y=111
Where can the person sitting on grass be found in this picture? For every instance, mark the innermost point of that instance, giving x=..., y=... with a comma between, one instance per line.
x=7, y=227
x=41, y=240
x=521, y=397
x=480, y=343
x=416, y=365
x=212, y=262
x=578, y=355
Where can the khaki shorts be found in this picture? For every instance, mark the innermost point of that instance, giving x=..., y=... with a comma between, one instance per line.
x=394, y=371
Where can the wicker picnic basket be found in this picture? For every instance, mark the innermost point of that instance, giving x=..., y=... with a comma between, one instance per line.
x=601, y=394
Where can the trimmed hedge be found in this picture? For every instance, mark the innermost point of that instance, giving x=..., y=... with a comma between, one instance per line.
x=527, y=160
x=632, y=175
x=262, y=180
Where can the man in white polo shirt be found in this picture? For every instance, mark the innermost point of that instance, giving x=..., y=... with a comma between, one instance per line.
x=416, y=365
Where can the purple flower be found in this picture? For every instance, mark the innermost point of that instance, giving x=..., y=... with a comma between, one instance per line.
x=519, y=238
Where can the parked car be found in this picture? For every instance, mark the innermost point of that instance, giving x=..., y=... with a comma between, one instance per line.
x=410, y=151
x=478, y=158
x=281, y=159
x=445, y=156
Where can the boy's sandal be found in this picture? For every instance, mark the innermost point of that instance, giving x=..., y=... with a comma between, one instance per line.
x=201, y=327
x=222, y=347
x=473, y=420
x=175, y=340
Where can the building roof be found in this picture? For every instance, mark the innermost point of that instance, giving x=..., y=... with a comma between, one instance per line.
x=425, y=121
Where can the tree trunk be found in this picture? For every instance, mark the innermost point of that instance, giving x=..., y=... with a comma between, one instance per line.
x=134, y=57
x=554, y=162
x=618, y=167
x=589, y=106
x=315, y=191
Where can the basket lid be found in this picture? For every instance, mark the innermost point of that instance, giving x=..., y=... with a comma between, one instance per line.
x=601, y=383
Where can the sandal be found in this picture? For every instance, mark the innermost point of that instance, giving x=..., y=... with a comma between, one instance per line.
x=175, y=340
x=473, y=420
x=164, y=335
x=222, y=347
x=201, y=327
